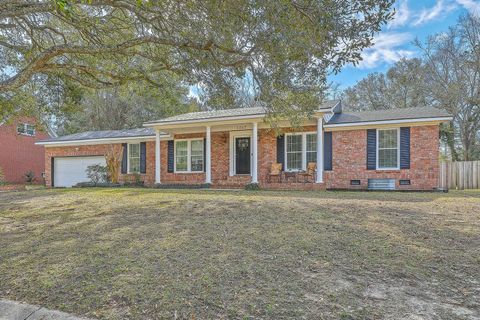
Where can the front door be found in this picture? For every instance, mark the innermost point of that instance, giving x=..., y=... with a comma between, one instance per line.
x=242, y=155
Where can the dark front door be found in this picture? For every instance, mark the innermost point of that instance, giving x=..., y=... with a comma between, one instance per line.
x=242, y=155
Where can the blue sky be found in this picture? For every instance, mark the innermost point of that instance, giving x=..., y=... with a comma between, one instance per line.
x=414, y=19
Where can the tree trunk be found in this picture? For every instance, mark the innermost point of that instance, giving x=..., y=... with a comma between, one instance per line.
x=449, y=134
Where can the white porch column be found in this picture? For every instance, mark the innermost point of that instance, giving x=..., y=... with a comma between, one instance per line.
x=157, y=156
x=254, y=154
x=319, y=178
x=208, y=157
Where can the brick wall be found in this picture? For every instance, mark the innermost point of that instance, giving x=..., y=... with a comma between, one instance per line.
x=349, y=161
x=99, y=150
x=19, y=154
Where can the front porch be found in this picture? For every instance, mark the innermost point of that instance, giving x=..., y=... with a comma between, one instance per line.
x=234, y=155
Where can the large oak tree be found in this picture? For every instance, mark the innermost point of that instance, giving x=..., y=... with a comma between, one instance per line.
x=283, y=49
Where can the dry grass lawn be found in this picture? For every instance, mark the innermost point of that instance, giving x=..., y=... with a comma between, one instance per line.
x=152, y=254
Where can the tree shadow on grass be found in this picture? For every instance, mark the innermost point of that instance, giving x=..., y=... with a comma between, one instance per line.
x=207, y=256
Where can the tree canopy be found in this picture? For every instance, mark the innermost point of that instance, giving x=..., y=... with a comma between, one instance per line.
x=404, y=85
x=283, y=48
x=123, y=107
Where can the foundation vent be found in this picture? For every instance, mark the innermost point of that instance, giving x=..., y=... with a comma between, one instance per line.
x=381, y=184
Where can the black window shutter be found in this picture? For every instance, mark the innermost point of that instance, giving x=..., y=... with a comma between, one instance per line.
x=170, y=156
x=143, y=157
x=405, y=148
x=52, y=172
x=124, y=158
x=371, y=149
x=327, y=151
x=281, y=150
x=205, y=154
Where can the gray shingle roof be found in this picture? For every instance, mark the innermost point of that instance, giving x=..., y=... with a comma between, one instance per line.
x=338, y=118
x=93, y=135
x=392, y=114
x=227, y=113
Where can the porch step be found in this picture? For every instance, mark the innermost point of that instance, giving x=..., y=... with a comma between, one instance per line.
x=181, y=186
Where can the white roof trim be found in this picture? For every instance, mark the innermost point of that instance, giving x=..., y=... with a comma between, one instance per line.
x=368, y=123
x=95, y=141
x=154, y=124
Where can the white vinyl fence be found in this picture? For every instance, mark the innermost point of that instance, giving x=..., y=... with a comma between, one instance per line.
x=459, y=175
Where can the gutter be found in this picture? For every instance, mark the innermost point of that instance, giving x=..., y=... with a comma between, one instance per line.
x=366, y=123
x=94, y=141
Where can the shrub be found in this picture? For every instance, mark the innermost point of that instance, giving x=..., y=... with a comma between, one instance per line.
x=29, y=176
x=97, y=173
x=2, y=177
x=138, y=179
x=252, y=186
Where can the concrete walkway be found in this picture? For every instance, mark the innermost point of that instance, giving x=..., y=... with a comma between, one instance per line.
x=12, y=310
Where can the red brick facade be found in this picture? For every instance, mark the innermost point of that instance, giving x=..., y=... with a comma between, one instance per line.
x=97, y=150
x=349, y=161
x=18, y=152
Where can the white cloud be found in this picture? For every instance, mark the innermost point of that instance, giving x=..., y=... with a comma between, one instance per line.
x=402, y=15
x=439, y=9
x=471, y=5
x=386, y=49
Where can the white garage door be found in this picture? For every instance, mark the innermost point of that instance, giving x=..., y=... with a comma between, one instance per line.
x=71, y=170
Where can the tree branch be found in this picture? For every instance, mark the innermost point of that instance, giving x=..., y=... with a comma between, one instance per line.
x=39, y=62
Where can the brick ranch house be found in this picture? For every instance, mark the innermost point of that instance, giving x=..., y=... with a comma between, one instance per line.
x=392, y=149
x=19, y=153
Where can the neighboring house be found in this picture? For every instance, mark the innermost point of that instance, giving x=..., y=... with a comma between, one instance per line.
x=18, y=152
x=391, y=149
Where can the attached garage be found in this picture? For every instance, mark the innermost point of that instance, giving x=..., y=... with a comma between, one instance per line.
x=68, y=171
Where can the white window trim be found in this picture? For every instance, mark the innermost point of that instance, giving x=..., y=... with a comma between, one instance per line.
x=25, y=133
x=189, y=155
x=304, y=149
x=128, y=157
x=398, y=149
x=233, y=136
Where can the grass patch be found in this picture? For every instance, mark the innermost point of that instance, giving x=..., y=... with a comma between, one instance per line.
x=145, y=253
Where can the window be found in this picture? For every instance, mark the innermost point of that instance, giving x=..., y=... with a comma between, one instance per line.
x=311, y=147
x=294, y=152
x=134, y=158
x=181, y=156
x=26, y=129
x=301, y=148
x=388, y=149
x=189, y=155
x=196, y=157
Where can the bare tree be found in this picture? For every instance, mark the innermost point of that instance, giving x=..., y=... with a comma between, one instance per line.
x=447, y=76
x=452, y=60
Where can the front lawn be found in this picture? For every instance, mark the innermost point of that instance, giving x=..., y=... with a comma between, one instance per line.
x=197, y=254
